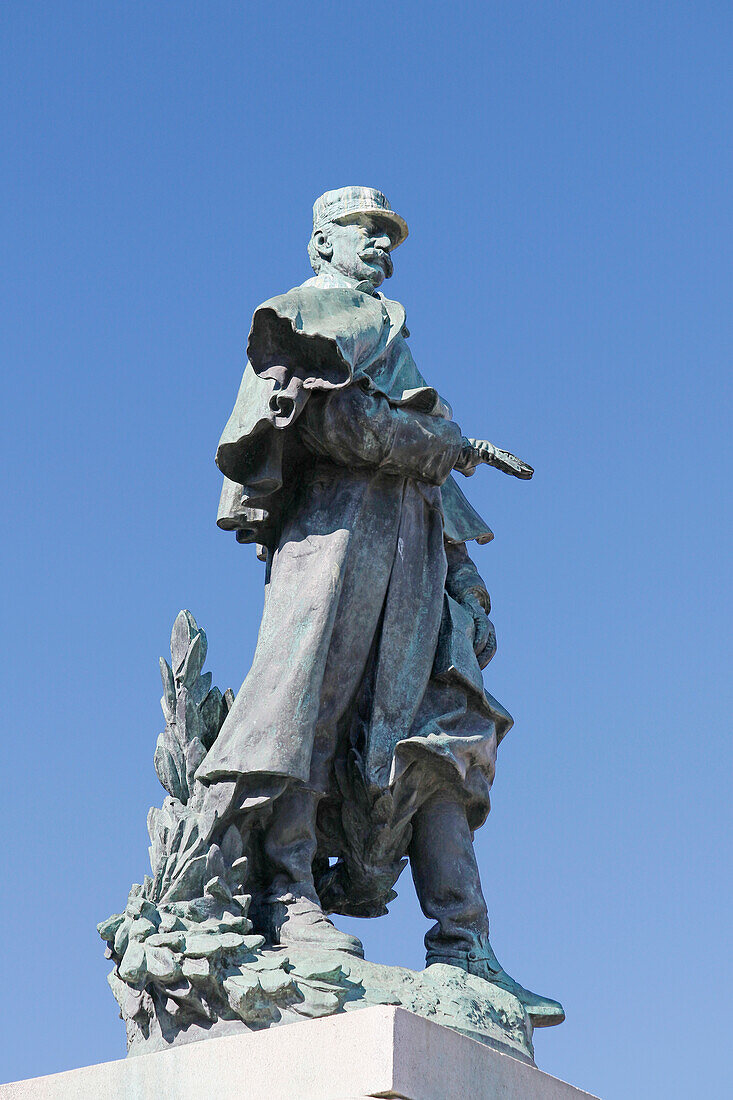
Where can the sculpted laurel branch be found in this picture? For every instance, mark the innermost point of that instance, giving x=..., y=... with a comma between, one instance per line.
x=193, y=709
x=194, y=712
x=195, y=883
x=360, y=883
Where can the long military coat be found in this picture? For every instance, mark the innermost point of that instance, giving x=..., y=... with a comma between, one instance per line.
x=364, y=684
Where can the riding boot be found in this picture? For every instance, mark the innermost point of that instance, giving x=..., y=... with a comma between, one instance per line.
x=448, y=887
x=290, y=914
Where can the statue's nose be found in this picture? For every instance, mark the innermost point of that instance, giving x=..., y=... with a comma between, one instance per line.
x=384, y=241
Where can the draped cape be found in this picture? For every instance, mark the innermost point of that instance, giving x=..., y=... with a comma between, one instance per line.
x=313, y=339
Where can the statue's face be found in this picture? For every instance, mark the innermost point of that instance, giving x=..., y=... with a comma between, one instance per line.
x=360, y=246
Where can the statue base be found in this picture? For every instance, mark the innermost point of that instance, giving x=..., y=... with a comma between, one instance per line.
x=314, y=984
x=379, y=1052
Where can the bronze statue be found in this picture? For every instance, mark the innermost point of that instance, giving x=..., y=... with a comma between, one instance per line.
x=362, y=735
x=363, y=721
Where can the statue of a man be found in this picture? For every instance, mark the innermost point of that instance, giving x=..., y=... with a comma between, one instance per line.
x=362, y=733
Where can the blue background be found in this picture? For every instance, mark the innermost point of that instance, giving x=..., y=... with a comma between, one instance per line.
x=565, y=170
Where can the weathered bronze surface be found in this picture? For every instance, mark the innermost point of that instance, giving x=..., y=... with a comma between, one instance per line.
x=362, y=736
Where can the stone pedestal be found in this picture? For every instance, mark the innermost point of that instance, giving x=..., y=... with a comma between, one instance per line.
x=376, y=1052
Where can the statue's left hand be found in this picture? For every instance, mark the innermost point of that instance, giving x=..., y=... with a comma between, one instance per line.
x=484, y=636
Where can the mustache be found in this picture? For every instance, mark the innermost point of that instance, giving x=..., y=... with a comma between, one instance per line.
x=378, y=255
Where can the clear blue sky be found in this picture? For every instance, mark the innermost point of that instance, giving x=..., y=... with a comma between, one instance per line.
x=565, y=169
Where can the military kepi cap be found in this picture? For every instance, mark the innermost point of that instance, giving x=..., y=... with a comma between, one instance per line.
x=345, y=201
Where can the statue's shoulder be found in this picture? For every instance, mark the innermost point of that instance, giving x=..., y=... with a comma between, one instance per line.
x=290, y=298
x=318, y=307
x=320, y=294
x=320, y=282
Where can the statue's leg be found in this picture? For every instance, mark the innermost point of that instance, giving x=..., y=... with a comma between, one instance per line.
x=448, y=887
x=291, y=913
x=446, y=877
x=290, y=842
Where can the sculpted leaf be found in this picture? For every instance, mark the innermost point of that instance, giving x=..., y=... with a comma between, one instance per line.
x=164, y=821
x=181, y=639
x=194, y=755
x=156, y=851
x=189, y=837
x=130, y=1000
x=193, y=626
x=194, y=726
x=204, y=642
x=215, y=865
x=169, y=687
x=156, y=825
x=194, y=660
x=177, y=852
x=168, y=714
x=217, y=887
x=162, y=964
x=108, y=928
x=239, y=872
x=201, y=688
x=231, y=845
x=166, y=769
x=188, y=882
x=212, y=713
x=188, y=724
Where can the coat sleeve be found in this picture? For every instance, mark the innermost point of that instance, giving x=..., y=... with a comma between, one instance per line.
x=354, y=428
x=463, y=578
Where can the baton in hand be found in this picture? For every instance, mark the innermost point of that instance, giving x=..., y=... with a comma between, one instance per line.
x=477, y=451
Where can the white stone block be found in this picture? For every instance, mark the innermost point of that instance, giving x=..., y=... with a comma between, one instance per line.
x=376, y=1052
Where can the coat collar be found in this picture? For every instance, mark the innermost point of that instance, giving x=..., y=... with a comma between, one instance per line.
x=330, y=280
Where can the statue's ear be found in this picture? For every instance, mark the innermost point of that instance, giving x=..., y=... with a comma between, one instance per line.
x=322, y=241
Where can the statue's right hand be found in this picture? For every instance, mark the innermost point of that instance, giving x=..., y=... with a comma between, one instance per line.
x=476, y=451
x=469, y=458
